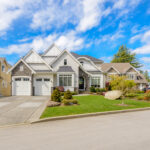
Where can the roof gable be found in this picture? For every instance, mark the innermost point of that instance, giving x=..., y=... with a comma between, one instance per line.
x=53, y=50
x=33, y=57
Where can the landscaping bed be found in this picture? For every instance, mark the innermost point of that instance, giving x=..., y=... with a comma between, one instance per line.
x=91, y=104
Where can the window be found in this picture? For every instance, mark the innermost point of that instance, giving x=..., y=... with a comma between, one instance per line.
x=130, y=76
x=3, y=68
x=21, y=68
x=65, y=61
x=46, y=79
x=17, y=79
x=81, y=63
x=95, y=81
x=25, y=79
x=65, y=80
x=39, y=79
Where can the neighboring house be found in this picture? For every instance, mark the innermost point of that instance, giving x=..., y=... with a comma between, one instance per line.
x=39, y=74
x=124, y=69
x=5, y=78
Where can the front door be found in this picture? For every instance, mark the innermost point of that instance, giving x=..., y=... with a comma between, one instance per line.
x=81, y=83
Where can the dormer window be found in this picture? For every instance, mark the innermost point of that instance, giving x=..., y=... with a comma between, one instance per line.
x=81, y=63
x=65, y=62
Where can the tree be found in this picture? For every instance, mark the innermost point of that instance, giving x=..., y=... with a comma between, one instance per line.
x=124, y=55
x=56, y=95
x=121, y=83
x=146, y=75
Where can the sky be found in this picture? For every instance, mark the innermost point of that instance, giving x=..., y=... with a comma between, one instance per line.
x=90, y=27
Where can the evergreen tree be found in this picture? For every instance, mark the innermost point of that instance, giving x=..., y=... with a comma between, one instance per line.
x=124, y=55
x=146, y=75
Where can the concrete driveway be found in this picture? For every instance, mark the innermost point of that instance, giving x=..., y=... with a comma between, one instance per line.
x=21, y=109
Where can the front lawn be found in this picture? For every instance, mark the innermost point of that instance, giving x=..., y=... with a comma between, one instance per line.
x=92, y=103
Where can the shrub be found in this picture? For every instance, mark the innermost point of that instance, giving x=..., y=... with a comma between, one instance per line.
x=74, y=93
x=69, y=102
x=56, y=96
x=74, y=101
x=121, y=83
x=140, y=97
x=102, y=90
x=66, y=102
x=92, y=89
x=131, y=95
x=61, y=88
x=67, y=95
x=97, y=90
x=62, y=93
x=147, y=96
x=140, y=92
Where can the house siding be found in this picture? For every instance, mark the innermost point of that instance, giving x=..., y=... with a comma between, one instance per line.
x=6, y=78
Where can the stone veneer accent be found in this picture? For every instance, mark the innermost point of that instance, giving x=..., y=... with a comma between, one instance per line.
x=26, y=71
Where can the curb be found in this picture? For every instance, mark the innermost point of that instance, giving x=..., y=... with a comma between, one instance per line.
x=89, y=115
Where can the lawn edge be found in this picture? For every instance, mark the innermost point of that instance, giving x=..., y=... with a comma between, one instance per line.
x=89, y=115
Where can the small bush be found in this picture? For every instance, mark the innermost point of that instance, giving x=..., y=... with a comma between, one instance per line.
x=67, y=95
x=92, y=89
x=56, y=96
x=102, y=90
x=69, y=102
x=131, y=95
x=147, y=96
x=62, y=93
x=74, y=101
x=74, y=93
x=61, y=88
x=140, y=92
x=66, y=102
x=140, y=97
x=97, y=90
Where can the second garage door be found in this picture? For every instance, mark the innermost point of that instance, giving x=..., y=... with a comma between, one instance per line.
x=42, y=86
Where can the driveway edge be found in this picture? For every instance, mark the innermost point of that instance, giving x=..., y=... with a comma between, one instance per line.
x=89, y=115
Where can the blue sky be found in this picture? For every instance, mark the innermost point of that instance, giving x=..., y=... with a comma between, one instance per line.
x=92, y=27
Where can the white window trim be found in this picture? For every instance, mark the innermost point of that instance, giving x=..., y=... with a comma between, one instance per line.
x=65, y=74
x=96, y=76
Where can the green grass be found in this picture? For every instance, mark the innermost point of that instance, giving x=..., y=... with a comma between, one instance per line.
x=92, y=103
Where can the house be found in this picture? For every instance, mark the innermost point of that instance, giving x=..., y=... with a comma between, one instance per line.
x=39, y=74
x=5, y=78
x=124, y=69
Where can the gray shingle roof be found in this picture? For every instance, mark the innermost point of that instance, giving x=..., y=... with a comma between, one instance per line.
x=87, y=56
x=65, y=69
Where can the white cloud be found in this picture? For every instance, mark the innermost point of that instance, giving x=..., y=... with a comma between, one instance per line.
x=106, y=58
x=92, y=13
x=135, y=38
x=145, y=59
x=144, y=38
x=143, y=49
x=69, y=40
x=10, y=10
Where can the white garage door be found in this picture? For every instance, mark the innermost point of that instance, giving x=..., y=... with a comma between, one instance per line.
x=42, y=86
x=21, y=86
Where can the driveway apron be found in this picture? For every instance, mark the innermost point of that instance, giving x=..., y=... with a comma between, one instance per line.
x=20, y=109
